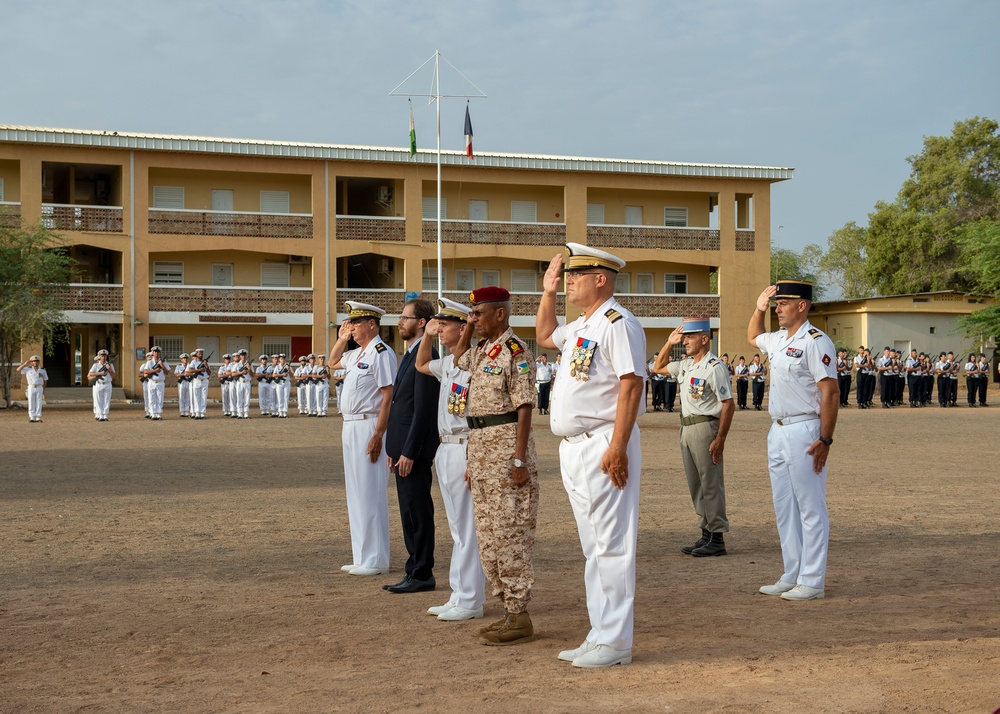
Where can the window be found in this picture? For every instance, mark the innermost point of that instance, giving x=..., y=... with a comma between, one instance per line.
x=277, y=346
x=275, y=202
x=170, y=346
x=465, y=280
x=675, y=283
x=491, y=278
x=633, y=215
x=274, y=275
x=523, y=211
x=430, y=208
x=595, y=214
x=1, y=189
x=675, y=217
x=623, y=282
x=479, y=210
x=644, y=283
x=532, y=344
x=168, y=273
x=168, y=197
x=523, y=281
x=429, y=282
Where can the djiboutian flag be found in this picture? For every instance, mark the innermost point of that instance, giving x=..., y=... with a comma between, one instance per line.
x=468, y=133
x=413, y=133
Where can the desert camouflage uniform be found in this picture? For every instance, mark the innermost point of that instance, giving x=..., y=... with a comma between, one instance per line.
x=505, y=514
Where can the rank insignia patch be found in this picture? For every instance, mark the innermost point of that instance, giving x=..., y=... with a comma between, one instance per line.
x=380, y=347
x=793, y=352
x=826, y=360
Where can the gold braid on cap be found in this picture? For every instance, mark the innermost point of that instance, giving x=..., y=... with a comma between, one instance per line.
x=591, y=261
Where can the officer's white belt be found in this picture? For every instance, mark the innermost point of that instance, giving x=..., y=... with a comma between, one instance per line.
x=785, y=421
x=587, y=434
x=359, y=417
x=452, y=439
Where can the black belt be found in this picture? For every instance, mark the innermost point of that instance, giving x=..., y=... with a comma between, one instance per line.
x=481, y=422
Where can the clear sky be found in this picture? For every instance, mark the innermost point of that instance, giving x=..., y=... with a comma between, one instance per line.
x=841, y=91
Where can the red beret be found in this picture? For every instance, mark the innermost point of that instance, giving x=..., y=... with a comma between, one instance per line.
x=488, y=294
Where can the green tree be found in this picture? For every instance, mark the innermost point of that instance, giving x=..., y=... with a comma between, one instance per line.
x=844, y=264
x=32, y=262
x=788, y=265
x=980, y=242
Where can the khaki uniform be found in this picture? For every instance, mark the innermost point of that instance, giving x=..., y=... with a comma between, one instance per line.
x=502, y=377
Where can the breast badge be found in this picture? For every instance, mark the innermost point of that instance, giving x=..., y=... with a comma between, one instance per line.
x=793, y=353
x=581, y=358
x=697, y=388
x=457, y=398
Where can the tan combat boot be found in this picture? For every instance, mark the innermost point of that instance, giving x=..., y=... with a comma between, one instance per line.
x=493, y=625
x=515, y=630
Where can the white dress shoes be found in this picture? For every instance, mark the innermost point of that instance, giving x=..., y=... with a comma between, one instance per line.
x=460, y=613
x=439, y=609
x=803, y=592
x=603, y=656
x=779, y=587
x=349, y=567
x=368, y=571
x=570, y=655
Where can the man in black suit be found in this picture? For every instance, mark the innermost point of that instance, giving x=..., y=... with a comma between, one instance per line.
x=411, y=442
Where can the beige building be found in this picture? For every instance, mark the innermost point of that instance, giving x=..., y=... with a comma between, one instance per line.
x=229, y=243
x=926, y=322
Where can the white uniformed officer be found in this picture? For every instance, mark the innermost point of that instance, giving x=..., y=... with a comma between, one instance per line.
x=241, y=375
x=803, y=404
x=320, y=387
x=145, y=384
x=598, y=395
x=369, y=373
x=198, y=375
x=225, y=387
x=155, y=371
x=100, y=377
x=302, y=373
x=263, y=385
x=183, y=392
x=282, y=383
x=466, y=577
x=706, y=414
x=36, y=378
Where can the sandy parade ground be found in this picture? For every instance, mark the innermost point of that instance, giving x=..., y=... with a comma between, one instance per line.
x=181, y=566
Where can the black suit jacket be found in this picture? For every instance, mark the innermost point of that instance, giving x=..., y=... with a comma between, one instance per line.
x=412, y=429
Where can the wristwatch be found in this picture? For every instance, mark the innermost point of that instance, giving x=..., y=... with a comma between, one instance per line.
x=826, y=440
x=518, y=463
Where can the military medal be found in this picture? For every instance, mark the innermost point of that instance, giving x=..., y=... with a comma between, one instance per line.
x=697, y=388
x=457, y=399
x=581, y=358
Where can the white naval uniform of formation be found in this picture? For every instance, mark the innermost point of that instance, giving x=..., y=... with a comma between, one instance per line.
x=320, y=400
x=35, y=387
x=798, y=363
x=367, y=371
x=198, y=387
x=183, y=392
x=583, y=413
x=466, y=577
x=154, y=386
x=225, y=387
x=101, y=390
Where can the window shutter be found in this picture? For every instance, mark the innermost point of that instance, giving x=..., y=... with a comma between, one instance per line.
x=429, y=283
x=171, y=346
x=633, y=215
x=675, y=217
x=430, y=207
x=274, y=202
x=1, y=189
x=168, y=273
x=274, y=275
x=524, y=211
x=595, y=214
x=168, y=197
x=623, y=282
x=523, y=281
x=278, y=346
x=644, y=283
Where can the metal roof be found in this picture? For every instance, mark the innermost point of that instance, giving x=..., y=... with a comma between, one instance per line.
x=346, y=152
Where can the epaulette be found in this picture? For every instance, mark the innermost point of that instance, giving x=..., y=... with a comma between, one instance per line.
x=380, y=347
x=713, y=361
x=515, y=347
x=816, y=334
x=613, y=315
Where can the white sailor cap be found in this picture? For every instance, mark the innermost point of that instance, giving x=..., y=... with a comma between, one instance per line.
x=310, y=356
x=582, y=257
x=227, y=356
x=155, y=348
x=183, y=355
x=263, y=358
x=363, y=311
x=35, y=358
x=199, y=349
x=302, y=358
x=102, y=352
x=451, y=310
x=149, y=354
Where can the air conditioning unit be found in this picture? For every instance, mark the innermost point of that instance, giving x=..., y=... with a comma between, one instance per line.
x=300, y=259
x=384, y=194
x=385, y=266
x=543, y=265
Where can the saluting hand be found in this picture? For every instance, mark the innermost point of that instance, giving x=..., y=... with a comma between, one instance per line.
x=345, y=331
x=764, y=299
x=553, y=275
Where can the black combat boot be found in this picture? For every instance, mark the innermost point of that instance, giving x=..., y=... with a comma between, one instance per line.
x=704, y=540
x=715, y=546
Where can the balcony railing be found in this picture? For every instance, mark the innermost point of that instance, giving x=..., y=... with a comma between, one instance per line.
x=669, y=305
x=392, y=301
x=97, y=219
x=746, y=240
x=375, y=228
x=495, y=232
x=10, y=214
x=230, y=223
x=662, y=237
x=209, y=299
x=90, y=297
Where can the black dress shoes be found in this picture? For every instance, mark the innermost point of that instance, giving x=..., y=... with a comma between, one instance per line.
x=413, y=585
x=404, y=581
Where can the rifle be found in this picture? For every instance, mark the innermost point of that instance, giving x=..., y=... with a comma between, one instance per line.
x=100, y=373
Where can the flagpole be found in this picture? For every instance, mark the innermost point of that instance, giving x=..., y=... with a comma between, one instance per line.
x=436, y=95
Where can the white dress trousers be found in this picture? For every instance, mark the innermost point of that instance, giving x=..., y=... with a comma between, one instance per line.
x=466, y=577
x=607, y=519
x=367, y=499
x=799, y=495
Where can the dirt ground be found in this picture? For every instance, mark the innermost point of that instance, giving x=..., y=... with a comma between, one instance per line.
x=186, y=567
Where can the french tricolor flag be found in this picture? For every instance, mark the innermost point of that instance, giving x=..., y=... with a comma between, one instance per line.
x=468, y=132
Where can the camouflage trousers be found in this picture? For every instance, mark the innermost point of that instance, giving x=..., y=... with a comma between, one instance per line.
x=505, y=514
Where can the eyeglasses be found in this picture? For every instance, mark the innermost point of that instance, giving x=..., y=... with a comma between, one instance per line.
x=574, y=275
x=407, y=317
